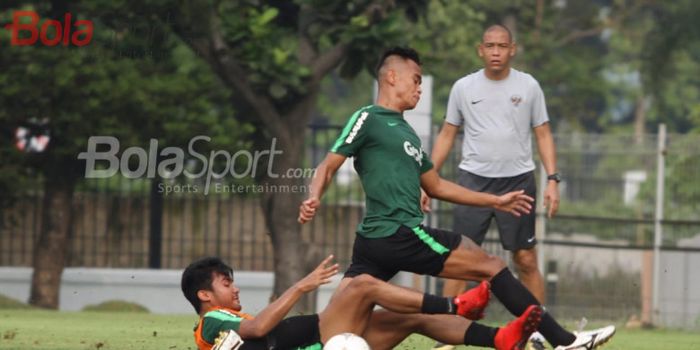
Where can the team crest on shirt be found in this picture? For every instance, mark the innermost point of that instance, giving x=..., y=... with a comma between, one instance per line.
x=415, y=153
x=516, y=99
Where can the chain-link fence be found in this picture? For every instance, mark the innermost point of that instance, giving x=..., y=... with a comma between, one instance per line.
x=597, y=253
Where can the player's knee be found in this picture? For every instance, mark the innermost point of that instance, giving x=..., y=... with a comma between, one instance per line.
x=525, y=262
x=493, y=265
x=363, y=283
x=487, y=267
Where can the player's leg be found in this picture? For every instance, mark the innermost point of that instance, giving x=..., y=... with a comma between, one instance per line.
x=341, y=286
x=472, y=222
x=452, y=287
x=361, y=264
x=526, y=265
x=518, y=234
x=468, y=261
x=350, y=309
x=388, y=329
x=292, y=333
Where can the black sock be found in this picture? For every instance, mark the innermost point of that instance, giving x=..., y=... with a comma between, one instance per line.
x=516, y=298
x=480, y=335
x=433, y=304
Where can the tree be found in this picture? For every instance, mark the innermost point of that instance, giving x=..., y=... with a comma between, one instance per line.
x=113, y=86
x=670, y=63
x=273, y=56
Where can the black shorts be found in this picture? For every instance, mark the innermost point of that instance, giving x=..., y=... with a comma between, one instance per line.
x=291, y=333
x=515, y=232
x=421, y=250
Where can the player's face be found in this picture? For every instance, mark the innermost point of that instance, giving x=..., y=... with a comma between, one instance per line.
x=496, y=50
x=409, y=81
x=224, y=292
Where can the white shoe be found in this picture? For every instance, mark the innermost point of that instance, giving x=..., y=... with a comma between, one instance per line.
x=227, y=340
x=588, y=340
x=536, y=342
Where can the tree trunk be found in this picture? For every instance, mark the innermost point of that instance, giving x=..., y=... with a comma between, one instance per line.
x=640, y=117
x=281, y=207
x=281, y=210
x=52, y=244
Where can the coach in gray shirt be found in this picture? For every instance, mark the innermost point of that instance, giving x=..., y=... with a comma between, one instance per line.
x=499, y=107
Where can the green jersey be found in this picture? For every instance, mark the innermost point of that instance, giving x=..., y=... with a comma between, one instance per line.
x=216, y=321
x=219, y=320
x=389, y=160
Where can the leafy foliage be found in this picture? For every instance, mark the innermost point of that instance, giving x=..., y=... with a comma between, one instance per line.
x=123, y=85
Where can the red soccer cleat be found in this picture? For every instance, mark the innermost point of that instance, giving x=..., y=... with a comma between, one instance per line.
x=471, y=304
x=514, y=335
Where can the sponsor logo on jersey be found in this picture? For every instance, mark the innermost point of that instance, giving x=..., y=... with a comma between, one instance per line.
x=356, y=128
x=415, y=153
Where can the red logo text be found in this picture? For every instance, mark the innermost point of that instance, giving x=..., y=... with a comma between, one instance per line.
x=78, y=33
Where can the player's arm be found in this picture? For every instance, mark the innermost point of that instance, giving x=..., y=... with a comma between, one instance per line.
x=441, y=148
x=271, y=315
x=322, y=178
x=547, y=150
x=515, y=202
x=443, y=144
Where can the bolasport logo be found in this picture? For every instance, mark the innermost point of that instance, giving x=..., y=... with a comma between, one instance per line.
x=51, y=32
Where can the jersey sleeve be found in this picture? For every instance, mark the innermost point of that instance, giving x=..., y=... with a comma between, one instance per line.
x=218, y=321
x=353, y=135
x=454, y=115
x=539, y=114
x=425, y=163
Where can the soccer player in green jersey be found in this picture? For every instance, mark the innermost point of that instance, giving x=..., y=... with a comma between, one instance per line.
x=208, y=284
x=393, y=168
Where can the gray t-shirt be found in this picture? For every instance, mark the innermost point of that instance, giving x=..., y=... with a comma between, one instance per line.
x=498, y=117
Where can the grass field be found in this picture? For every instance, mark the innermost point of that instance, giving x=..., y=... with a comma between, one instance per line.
x=49, y=330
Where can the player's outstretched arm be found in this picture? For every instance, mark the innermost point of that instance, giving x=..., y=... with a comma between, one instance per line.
x=271, y=315
x=322, y=177
x=443, y=144
x=516, y=202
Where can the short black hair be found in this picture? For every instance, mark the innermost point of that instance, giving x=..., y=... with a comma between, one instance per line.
x=404, y=52
x=199, y=276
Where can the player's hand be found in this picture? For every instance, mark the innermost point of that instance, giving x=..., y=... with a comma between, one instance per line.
x=551, y=198
x=424, y=202
x=516, y=203
x=319, y=276
x=307, y=210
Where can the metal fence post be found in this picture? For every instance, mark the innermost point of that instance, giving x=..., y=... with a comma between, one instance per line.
x=658, y=217
x=156, y=225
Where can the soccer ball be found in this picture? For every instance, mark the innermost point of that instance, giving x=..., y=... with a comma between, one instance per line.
x=346, y=341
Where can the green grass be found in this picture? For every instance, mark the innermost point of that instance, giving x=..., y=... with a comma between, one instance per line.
x=624, y=339
x=9, y=303
x=40, y=329
x=116, y=306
